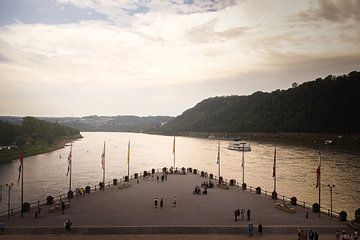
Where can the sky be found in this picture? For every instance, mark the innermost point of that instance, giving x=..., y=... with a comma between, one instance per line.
x=161, y=57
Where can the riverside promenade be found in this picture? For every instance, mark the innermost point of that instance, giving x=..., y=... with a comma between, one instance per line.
x=131, y=211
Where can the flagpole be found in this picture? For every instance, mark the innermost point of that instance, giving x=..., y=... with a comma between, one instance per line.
x=22, y=185
x=219, y=158
x=174, y=152
x=70, y=170
x=129, y=161
x=319, y=182
x=104, y=169
x=275, y=170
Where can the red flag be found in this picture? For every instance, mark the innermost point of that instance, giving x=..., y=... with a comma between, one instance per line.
x=274, y=167
x=318, y=171
x=69, y=160
x=21, y=158
x=103, y=158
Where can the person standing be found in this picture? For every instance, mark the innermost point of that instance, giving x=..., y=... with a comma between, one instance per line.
x=162, y=178
x=248, y=213
x=235, y=215
x=156, y=202
x=63, y=207
x=174, y=201
x=242, y=214
x=161, y=203
x=260, y=229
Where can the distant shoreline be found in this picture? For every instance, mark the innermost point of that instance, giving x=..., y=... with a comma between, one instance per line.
x=31, y=150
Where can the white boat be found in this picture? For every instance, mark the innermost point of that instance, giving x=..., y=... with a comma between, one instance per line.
x=239, y=146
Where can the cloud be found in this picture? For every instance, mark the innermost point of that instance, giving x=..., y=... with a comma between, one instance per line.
x=333, y=11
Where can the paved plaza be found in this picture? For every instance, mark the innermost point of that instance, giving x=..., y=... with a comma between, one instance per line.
x=132, y=209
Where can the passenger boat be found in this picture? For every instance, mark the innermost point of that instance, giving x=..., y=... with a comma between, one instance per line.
x=238, y=145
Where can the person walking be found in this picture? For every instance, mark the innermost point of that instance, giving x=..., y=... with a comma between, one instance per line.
x=156, y=202
x=238, y=214
x=161, y=203
x=63, y=207
x=157, y=178
x=174, y=201
x=235, y=215
x=260, y=229
x=162, y=178
x=248, y=213
x=250, y=229
x=242, y=214
x=311, y=235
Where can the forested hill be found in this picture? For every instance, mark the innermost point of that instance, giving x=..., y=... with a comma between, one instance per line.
x=329, y=105
x=32, y=131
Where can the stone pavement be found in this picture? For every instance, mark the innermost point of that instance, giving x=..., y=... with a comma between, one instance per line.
x=131, y=210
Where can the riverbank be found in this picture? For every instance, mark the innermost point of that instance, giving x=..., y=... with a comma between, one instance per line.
x=38, y=148
x=349, y=140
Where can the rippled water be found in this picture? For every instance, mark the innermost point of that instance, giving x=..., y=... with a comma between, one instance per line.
x=45, y=174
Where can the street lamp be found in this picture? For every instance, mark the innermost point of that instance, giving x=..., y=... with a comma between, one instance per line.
x=331, y=187
x=9, y=186
x=243, y=165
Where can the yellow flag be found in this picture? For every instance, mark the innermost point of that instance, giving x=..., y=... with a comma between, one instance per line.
x=128, y=159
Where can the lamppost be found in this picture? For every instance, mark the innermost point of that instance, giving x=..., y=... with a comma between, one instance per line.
x=9, y=186
x=331, y=187
x=243, y=166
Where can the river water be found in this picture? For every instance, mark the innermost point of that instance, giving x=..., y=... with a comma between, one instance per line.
x=45, y=174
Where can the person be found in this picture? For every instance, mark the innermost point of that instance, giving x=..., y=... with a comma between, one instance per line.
x=311, y=235
x=174, y=201
x=238, y=214
x=156, y=202
x=307, y=215
x=205, y=191
x=298, y=230
x=337, y=234
x=157, y=178
x=63, y=207
x=260, y=229
x=248, y=213
x=316, y=236
x=356, y=235
x=2, y=226
x=250, y=229
x=235, y=215
x=67, y=225
x=242, y=214
x=161, y=203
x=162, y=178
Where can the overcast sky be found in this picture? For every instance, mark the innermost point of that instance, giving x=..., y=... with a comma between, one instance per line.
x=160, y=57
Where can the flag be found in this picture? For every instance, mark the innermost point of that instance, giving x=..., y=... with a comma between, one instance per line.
x=21, y=158
x=128, y=157
x=103, y=158
x=174, y=146
x=218, y=155
x=69, y=160
x=318, y=172
x=274, y=167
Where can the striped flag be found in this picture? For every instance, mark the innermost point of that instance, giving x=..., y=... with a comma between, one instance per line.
x=69, y=160
x=128, y=156
x=103, y=158
x=174, y=146
x=318, y=172
x=21, y=158
x=218, y=155
x=274, y=167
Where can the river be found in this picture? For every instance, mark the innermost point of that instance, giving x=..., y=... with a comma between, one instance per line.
x=45, y=174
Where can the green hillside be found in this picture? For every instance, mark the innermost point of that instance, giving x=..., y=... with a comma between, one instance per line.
x=329, y=105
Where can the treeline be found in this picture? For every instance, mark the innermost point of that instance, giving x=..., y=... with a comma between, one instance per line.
x=329, y=105
x=31, y=131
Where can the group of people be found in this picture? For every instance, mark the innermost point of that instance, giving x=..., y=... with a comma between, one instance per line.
x=156, y=202
x=80, y=191
x=251, y=229
x=305, y=235
x=207, y=184
x=237, y=214
x=163, y=177
x=197, y=190
x=347, y=236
